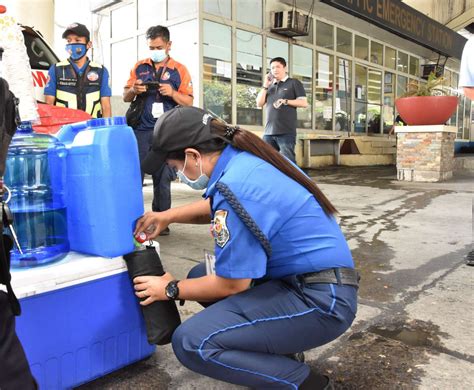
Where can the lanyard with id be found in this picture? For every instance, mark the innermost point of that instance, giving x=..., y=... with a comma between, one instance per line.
x=157, y=109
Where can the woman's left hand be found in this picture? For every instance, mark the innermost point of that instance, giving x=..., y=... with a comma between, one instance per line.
x=152, y=288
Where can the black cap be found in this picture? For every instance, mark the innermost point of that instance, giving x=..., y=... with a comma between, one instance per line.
x=79, y=29
x=175, y=130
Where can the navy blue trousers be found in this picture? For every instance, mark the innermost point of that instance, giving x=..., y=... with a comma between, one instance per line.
x=242, y=339
x=162, y=178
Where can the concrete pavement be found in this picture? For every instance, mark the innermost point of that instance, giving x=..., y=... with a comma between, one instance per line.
x=414, y=328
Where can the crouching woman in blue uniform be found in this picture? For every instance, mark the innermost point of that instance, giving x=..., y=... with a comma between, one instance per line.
x=283, y=280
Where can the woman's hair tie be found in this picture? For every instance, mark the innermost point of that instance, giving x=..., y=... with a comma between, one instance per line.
x=230, y=131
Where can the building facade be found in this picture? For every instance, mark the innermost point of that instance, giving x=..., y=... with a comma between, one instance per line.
x=351, y=69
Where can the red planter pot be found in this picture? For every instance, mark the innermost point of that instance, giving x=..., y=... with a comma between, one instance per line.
x=426, y=110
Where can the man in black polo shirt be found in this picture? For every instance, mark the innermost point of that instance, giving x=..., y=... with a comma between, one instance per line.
x=281, y=95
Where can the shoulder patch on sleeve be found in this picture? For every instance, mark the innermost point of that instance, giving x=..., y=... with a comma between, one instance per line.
x=219, y=228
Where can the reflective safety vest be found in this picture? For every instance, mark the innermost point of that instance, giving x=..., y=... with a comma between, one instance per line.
x=82, y=92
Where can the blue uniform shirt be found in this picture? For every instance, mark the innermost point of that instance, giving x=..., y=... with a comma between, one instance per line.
x=50, y=88
x=303, y=238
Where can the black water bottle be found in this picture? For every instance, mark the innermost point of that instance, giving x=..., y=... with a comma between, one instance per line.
x=161, y=317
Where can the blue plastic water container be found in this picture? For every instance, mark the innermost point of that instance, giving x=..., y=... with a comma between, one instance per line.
x=35, y=174
x=67, y=133
x=103, y=185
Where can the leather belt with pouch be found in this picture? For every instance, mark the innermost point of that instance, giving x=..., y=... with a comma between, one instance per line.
x=347, y=276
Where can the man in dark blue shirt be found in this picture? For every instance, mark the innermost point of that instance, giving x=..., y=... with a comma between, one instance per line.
x=281, y=95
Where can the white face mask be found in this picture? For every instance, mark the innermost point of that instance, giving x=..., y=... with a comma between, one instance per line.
x=199, y=184
x=158, y=55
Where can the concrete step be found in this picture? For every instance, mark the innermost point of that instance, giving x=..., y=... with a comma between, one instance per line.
x=464, y=163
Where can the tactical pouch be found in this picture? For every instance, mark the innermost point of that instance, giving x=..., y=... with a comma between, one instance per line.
x=161, y=317
x=135, y=111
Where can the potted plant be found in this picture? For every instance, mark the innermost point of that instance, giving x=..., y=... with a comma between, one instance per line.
x=426, y=104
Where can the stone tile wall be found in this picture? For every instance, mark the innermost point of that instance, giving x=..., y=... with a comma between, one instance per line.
x=425, y=156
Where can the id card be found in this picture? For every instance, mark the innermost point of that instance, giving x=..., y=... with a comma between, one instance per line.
x=210, y=261
x=157, y=110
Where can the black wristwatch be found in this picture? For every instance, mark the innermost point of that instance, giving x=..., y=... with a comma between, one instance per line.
x=172, y=290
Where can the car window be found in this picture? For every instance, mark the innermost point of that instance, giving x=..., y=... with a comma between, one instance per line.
x=40, y=55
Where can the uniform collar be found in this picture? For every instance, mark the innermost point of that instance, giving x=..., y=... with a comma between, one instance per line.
x=81, y=70
x=282, y=80
x=227, y=154
x=171, y=64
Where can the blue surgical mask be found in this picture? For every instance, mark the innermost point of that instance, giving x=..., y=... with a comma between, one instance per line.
x=158, y=55
x=76, y=50
x=199, y=184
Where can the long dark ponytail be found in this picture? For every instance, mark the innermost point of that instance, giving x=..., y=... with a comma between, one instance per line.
x=245, y=140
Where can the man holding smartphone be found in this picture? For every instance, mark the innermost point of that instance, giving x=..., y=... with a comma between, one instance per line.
x=281, y=95
x=164, y=83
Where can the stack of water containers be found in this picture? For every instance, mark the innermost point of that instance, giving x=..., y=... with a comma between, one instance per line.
x=89, y=173
x=91, y=178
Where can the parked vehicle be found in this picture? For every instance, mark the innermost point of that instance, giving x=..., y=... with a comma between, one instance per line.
x=41, y=58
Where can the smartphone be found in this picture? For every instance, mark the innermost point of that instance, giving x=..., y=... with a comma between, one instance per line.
x=270, y=77
x=152, y=84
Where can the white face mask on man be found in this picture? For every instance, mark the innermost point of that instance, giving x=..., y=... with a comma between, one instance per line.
x=199, y=184
x=158, y=55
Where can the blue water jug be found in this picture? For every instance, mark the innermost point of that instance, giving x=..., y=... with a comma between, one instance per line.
x=103, y=185
x=35, y=174
x=67, y=133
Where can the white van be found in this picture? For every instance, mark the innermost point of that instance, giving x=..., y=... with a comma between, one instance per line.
x=41, y=58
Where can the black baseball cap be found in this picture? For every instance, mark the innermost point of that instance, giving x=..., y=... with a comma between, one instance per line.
x=79, y=29
x=176, y=130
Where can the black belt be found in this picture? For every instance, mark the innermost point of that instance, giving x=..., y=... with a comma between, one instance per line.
x=338, y=276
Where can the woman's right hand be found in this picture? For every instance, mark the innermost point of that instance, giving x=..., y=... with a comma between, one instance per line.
x=152, y=223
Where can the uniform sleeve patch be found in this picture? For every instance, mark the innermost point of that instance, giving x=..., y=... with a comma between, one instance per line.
x=219, y=228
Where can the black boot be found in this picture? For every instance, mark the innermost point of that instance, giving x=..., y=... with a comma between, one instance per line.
x=316, y=382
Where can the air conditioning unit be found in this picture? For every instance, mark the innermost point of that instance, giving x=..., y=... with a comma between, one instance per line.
x=290, y=23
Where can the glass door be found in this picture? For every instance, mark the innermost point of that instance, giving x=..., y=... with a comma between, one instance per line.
x=342, y=117
x=367, y=100
x=324, y=91
x=302, y=71
x=374, y=99
x=388, y=101
x=360, y=99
